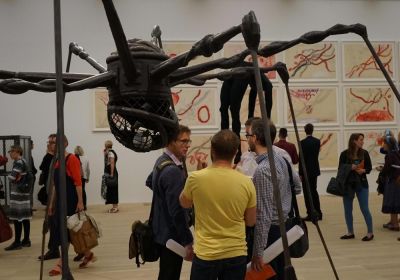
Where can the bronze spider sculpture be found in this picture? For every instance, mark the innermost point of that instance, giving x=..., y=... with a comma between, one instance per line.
x=139, y=76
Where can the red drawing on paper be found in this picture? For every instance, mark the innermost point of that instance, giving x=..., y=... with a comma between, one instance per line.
x=308, y=58
x=376, y=108
x=196, y=107
x=384, y=51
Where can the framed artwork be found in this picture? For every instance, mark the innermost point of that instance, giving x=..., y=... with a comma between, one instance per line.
x=359, y=64
x=100, y=120
x=372, y=143
x=199, y=149
x=329, y=152
x=316, y=105
x=312, y=62
x=369, y=105
x=196, y=107
x=233, y=48
x=174, y=48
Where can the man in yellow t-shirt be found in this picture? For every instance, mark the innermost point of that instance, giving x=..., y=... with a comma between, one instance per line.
x=225, y=201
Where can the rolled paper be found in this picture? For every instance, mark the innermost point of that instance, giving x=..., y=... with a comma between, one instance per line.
x=176, y=248
x=276, y=248
x=269, y=254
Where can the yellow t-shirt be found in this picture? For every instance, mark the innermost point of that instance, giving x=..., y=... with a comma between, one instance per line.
x=220, y=197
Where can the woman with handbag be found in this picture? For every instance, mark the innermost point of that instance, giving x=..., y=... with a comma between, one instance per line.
x=391, y=177
x=20, y=211
x=356, y=184
x=111, y=176
x=74, y=203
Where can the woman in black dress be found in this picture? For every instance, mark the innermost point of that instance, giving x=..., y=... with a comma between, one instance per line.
x=110, y=170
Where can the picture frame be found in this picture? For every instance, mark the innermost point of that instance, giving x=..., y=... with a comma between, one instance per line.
x=317, y=104
x=197, y=107
x=316, y=62
x=100, y=101
x=369, y=105
x=358, y=64
x=329, y=152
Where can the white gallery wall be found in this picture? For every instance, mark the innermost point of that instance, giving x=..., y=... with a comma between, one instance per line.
x=27, y=44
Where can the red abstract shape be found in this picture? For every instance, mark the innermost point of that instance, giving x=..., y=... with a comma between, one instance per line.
x=374, y=115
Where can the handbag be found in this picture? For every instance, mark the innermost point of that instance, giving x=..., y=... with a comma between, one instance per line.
x=111, y=182
x=300, y=247
x=87, y=236
x=5, y=229
x=334, y=187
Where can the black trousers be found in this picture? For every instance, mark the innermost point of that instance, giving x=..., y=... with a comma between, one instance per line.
x=170, y=264
x=314, y=196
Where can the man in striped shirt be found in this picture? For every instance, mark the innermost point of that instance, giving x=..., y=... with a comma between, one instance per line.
x=267, y=222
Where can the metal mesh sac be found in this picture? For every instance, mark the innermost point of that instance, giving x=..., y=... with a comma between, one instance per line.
x=141, y=124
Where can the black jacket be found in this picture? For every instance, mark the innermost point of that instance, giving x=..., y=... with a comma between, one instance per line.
x=170, y=220
x=354, y=180
x=310, y=146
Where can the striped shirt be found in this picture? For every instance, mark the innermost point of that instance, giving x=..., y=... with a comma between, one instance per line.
x=267, y=213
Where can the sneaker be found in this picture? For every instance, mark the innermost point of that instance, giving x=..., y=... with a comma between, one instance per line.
x=13, y=246
x=26, y=243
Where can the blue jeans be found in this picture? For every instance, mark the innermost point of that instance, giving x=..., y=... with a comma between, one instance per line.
x=224, y=269
x=362, y=196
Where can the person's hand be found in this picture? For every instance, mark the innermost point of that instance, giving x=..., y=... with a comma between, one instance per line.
x=201, y=163
x=379, y=168
x=79, y=207
x=257, y=263
x=354, y=167
x=189, y=252
x=87, y=180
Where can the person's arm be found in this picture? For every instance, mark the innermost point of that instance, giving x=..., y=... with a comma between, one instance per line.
x=250, y=216
x=87, y=171
x=50, y=208
x=184, y=201
x=263, y=217
x=112, y=166
x=172, y=181
x=74, y=170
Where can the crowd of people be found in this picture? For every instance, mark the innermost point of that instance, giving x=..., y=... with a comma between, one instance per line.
x=231, y=202
x=22, y=180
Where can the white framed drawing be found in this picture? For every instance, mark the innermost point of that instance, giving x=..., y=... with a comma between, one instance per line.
x=313, y=104
x=100, y=101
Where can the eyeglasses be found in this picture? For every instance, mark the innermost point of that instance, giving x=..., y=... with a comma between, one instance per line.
x=248, y=135
x=185, y=142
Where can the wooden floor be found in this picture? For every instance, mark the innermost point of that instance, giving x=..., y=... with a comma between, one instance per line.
x=354, y=259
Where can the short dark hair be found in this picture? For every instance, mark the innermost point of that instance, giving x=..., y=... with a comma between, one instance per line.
x=309, y=129
x=175, y=132
x=249, y=120
x=224, y=145
x=282, y=132
x=257, y=128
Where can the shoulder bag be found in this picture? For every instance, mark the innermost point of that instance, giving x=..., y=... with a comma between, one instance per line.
x=300, y=247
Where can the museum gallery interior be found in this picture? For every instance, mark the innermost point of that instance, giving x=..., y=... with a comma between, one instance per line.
x=334, y=82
